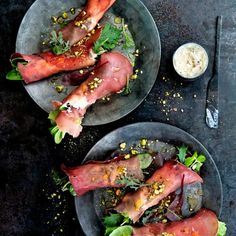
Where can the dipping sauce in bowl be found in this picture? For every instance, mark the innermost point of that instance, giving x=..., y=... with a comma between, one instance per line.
x=190, y=60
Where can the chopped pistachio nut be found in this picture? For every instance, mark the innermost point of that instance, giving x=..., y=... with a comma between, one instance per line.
x=166, y=234
x=77, y=54
x=94, y=83
x=118, y=20
x=156, y=188
x=84, y=27
x=59, y=88
x=106, y=99
x=60, y=20
x=54, y=19
x=122, y=170
x=143, y=142
x=133, y=151
x=72, y=10
x=138, y=204
x=127, y=156
x=122, y=146
x=64, y=15
x=135, y=76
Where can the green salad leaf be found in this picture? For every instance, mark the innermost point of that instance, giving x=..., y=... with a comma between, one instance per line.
x=127, y=90
x=57, y=134
x=222, y=229
x=183, y=150
x=125, y=230
x=54, y=130
x=194, y=162
x=57, y=43
x=113, y=222
x=108, y=39
x=145, y=160
x=128, y=40
x=14, y=74
x=63, y=182
x=53, y=115
x=131, y=182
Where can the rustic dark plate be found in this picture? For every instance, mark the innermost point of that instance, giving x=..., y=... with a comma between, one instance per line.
x=146, y=37
x=87, y=207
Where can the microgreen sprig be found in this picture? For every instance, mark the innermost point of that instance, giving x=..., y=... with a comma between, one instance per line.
x=194, y=161
x=54, y=130
x=108, y=39
x=57, y=44
x=63, y=182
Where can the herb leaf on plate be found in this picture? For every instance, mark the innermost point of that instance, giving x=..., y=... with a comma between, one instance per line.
x=195, y=162
x=14, y=74
x=62, y=182
x=131, y=182
x=145, y=160
x=108, y=39
x=128, y=40
x=183, y=150
x=57, y=43
x=114, y=224
x=125, y=230
x=54, y=130
x=222, y=229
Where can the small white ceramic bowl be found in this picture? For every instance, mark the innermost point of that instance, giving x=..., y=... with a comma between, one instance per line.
x=190, y=61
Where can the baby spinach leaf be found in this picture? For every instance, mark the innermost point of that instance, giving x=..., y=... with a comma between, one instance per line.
x=125, y=230
x=145, y=160
x=13, y=75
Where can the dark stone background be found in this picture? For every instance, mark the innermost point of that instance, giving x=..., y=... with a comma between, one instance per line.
x=27, y=151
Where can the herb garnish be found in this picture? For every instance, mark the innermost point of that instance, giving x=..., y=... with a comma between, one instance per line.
x=54, y=130
x=131, y=182
x=182, y=153
x=128, y=40
x=14, y=74
x=64, y=184
x=145, y=160
x=195, y=161
x=57, y=43
x=108, y=39
x=127, y=90
x=117, y=224
x=222, y=229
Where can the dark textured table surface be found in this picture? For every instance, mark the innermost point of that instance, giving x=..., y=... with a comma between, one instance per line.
x=29, y=203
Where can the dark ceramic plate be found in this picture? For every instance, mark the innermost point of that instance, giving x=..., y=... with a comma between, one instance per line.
x=146, y=37
x=87, y=207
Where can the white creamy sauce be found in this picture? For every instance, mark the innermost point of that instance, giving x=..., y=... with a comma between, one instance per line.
x=190, y=60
